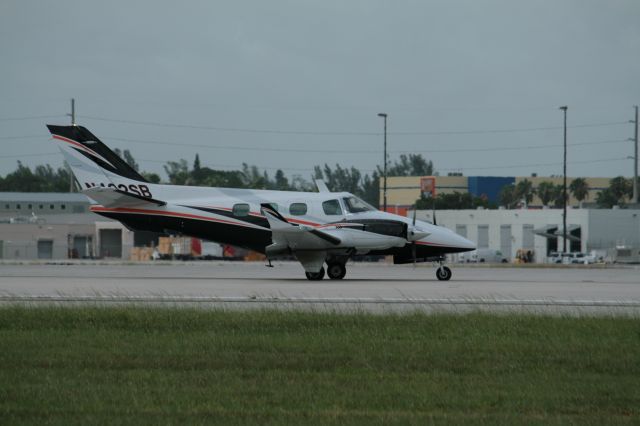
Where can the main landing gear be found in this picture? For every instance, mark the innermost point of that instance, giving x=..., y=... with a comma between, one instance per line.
x=335, y=271
x=315, y=276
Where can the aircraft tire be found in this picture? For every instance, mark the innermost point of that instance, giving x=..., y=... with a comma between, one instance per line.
x=315, y=276
x=336, y=271
x=443, y=273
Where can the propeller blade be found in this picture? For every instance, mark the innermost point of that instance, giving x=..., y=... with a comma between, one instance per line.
x=414, y=215
x=413, y=253
x=434, y=212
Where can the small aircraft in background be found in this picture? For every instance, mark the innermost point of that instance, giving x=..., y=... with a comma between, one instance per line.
x=317, y=228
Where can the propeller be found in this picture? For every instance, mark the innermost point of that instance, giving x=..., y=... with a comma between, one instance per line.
x=413, y=243
x=414, y=234
x=434, y=212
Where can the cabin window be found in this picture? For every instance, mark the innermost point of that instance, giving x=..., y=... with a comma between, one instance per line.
x=30, y=206
x=331, y=207
x=51, y=206
x=298, y=209
x=241, y=209
x=356, y=205
x=63, y=207
x=18, y=206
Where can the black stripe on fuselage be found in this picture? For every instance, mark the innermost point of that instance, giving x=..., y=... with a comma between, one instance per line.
x=255, y=220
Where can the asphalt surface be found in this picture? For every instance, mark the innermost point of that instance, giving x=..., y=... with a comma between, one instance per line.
x=372, y=287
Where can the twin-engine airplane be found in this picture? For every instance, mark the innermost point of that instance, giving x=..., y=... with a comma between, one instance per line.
x=315, y=227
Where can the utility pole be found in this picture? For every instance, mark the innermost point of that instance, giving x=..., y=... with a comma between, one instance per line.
x=564, y=185
x=635, y=159
x=384, y=191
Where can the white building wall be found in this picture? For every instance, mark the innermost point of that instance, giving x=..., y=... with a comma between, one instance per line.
x=617, y=227
x=516, y=219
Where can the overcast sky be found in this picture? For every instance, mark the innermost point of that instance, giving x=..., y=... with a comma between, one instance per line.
x=473, y=85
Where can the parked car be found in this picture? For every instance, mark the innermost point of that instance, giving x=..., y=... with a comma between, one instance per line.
x=585, y=258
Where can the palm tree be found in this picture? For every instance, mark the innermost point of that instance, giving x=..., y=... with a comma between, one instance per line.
x=580, y=189
x=620, y=187
x=558, y=196
x=545, y=191
x=524, y=191
x=507, y=196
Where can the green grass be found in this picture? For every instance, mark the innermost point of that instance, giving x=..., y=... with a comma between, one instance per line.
x=174, y=366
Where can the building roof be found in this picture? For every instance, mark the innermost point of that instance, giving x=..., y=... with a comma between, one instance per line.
x=45, y=197
x=88, y=218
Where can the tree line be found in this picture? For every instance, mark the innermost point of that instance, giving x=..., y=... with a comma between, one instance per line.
x=44, y=178
x=618, y=193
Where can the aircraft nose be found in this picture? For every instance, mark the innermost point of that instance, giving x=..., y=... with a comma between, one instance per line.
x=466, y=244
x=461, y=242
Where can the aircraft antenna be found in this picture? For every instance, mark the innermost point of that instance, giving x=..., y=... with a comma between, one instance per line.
x=73, y=112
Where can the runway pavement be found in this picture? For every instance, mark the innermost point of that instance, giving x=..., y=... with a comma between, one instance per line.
x=374, y=287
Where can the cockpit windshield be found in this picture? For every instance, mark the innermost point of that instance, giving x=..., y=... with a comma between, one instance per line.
x=356, y=205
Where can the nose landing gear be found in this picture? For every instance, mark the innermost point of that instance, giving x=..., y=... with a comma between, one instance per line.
x=443, y=273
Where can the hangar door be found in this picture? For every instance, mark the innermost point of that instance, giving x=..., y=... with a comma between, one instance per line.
x=45, y=249
x=505, y=240
x=483, y=236
x=527, y=237
x=81, y=247
x=111, y=243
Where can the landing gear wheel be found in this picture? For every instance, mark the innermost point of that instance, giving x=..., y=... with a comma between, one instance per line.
x=315, y=276
x=443, y=273
x=336, y=271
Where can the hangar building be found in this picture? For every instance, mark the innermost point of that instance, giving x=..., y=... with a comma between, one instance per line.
x=540, y=230
x=58, y=226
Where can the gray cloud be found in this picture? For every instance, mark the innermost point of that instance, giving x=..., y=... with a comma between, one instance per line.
x=327, y=66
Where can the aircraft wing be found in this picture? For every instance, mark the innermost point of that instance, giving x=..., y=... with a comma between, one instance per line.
x=111, y=197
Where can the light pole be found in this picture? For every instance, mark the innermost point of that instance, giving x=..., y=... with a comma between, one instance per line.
x=384, y=167
x=635, y=159
x=564, y=185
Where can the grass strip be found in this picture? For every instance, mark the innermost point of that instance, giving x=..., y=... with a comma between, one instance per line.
x=179, y=365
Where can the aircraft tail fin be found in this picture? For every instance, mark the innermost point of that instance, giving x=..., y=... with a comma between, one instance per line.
x=89, y=158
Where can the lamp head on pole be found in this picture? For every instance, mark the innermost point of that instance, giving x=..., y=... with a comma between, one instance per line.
x=382, y=114
x=564, y=108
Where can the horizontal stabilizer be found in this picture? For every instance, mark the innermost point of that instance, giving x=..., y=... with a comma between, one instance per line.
x=110, y=197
